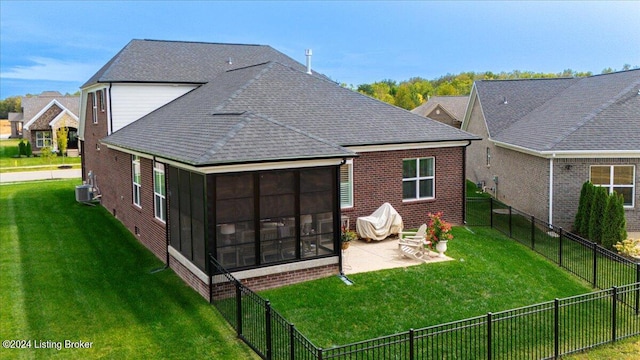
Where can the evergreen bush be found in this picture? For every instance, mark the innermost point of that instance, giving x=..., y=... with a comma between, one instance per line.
x=580, y=214
x=596, y=217
x=614, y=222
x=588, y=202
x=28, y=150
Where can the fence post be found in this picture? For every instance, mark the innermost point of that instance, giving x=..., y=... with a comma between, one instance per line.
x=637, y=289
x=614, y=311
x=533, y=232
x=560, y=248
x=238, y=307
x=292, y=342
x=556, y=329
x=411, y=343
x=267, y=313
x=595, y=264
x=320, y=354
x=491, y=212
x=489, y=340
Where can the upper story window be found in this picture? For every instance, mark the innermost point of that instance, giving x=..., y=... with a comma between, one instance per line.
x=101, y=95
x=136, y=180
x=346, y=185
x=418, y=178
x=159, y=192
x=43, y=138
x=94, y=106
x=618, y=178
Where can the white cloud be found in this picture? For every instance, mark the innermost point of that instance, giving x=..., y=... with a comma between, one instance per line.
x=52, y=70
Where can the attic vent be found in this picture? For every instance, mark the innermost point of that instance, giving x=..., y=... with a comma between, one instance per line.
x=230, y=61
x=504, y=101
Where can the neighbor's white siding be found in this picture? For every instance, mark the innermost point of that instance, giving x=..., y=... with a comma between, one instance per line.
x=129, y=102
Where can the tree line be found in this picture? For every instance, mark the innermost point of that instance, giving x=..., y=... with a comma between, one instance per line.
x=411, y=93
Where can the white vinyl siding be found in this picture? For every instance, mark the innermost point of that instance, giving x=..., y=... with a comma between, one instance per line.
x=346, y=185
x=129, y=102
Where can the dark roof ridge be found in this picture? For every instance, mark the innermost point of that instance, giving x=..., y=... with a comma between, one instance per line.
x=198, y=42
x=220, y=143
x=236, y=93
x=599, y=109
x=525, y=79
x=613, y=72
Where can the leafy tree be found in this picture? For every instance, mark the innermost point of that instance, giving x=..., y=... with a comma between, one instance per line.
x=10, y=104
x=407, y=99
x=580, y=214
x=446, y=89
x=596, y=219
x=614, y=222
x=62, y=139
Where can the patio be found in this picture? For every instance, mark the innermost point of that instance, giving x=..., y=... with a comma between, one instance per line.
x=378, y=255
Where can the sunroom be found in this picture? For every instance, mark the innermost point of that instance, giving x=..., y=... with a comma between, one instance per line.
x=254, y=219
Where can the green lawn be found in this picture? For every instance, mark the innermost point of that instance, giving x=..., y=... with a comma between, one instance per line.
x=72, y=272
x=8, y=159
x=490, y=273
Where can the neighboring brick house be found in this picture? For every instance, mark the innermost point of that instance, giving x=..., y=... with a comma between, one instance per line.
x=42, y=115
x=241, y=152
x=543, y=138
x=449, y=110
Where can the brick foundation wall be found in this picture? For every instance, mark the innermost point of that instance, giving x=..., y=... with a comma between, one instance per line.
x=378, y=179
x=290, y=277
x=187, y=276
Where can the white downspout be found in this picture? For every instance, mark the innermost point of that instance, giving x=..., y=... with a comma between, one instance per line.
x=551, y=190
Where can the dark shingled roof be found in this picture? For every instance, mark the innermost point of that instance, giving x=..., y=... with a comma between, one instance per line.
x=454, y=105
x=274, y=111
x=156, y=61
x=600, y=112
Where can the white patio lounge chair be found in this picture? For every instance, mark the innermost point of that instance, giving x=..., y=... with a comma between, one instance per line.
x=411, y=244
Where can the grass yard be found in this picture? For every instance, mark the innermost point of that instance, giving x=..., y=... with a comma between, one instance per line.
x=9, y=149
x=72, y=272
x=490, y=273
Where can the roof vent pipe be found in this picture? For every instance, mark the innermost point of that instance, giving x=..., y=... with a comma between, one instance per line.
x=308, y=53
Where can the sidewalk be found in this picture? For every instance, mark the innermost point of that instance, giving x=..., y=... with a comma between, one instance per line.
x=40, y=175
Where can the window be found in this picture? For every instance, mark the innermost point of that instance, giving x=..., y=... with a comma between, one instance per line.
x=43, y=138
x=135, y=170
x=101, y=92
x=346, y=185
x=94, y=106
x=159, y=192
x=418, y=180
x=618, y=178
x=488, y=156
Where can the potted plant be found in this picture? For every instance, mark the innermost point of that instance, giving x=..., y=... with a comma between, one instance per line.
x=439, y=232
x=346, y=237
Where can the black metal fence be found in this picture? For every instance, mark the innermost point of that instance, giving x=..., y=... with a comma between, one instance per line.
x=541, y=331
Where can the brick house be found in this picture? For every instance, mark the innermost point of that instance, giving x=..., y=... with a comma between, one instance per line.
x=449, y=110
x=543, y=138
x=42, y=115
x=241, y=152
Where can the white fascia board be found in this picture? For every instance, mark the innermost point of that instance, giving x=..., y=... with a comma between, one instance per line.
x=128, y=151
x=408, y=146
x=263, y=166
x=571, y=154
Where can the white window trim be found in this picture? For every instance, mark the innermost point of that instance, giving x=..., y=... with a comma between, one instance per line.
x=137, y=201
x=418, y=178
x=158, y=168
x=41, y=139
x=94, y=104
x=611, y=185
x=349, y=163
x=102, y=99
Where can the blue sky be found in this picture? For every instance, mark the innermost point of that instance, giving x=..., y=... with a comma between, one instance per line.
x=57, y=45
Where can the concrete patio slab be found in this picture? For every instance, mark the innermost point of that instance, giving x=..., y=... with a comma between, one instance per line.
x=378, y=255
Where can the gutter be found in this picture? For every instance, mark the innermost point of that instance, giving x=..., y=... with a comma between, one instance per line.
x=550, y=220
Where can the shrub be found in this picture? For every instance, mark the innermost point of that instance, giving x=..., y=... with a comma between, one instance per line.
x=28, y=150
x=596, y=217
x=587, y=203
x=581, y=215
x=628, y=247
x=614, y=223
x=22, y=150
